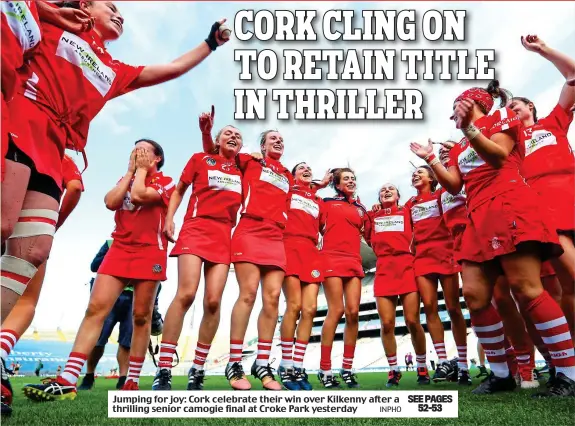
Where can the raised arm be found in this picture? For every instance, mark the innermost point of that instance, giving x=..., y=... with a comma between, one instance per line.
x=69, y=19
x=206, y=125
x=450, y=179
x=115, y=197
x=140, y=194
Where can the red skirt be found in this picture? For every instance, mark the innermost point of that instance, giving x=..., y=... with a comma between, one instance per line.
x=5, y=131
x=394, y=276
x=457, y=236
x=435, y=257
x=341, y=265
x=303, y=260
x=206, y=238
x=259, y=242
x=499, y=225
x=147, y=263
x=558, y=193
x=36, y=132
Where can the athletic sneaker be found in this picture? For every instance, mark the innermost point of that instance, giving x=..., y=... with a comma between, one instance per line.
x=561, y=386
x=328, y=381
x=482, y=372
x=393, y=378
x=50, y=390
x=301, y=378
x=288, y=379
x=266, y=375
x=130, y=385
x=552, y=376
x=6, y=392
x=443, y=372
x=493, y=384
x=87, y=382
x=163, y=380
x=121, y=382
x=463, y=378
x=349, y=378
x=454, y=376
x=423, y=376
x=236, y=377
x=195, y=379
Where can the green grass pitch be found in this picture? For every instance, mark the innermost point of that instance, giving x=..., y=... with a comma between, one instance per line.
x=90, y=407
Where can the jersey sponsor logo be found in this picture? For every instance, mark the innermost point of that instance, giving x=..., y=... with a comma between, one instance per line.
x=78, y=52
x=210, y=161
x=221, y=181
x=389, y=224
x=425, y=210
x=449, y=201
x=277, y=180
x=22, y=23
x=315, y=273
x=538, y=140
x=305, y=204
x=469, y=160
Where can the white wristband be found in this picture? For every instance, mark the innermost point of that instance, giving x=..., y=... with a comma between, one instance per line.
x=433, y=162
x=471, y=132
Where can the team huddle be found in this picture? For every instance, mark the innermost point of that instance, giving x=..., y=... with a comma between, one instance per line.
x=503, y=219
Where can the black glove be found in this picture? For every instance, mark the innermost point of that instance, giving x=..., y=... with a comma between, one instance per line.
x=211, y=40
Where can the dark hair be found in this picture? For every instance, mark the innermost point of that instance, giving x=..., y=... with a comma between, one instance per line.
x=263, y=137
x=337, y=173
x=431, y=174
x=398, y=194
x=295, y=167
x=497, y=92
x=527, y=102
x=158, y=150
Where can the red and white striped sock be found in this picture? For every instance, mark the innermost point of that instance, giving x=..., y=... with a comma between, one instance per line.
x=348, y=352
x=8, y=339
x=202, y=351
x=440, y=350
x=511, y=357
x=489, y=330
x=74, y=365
x=462, y=357
x=236, y=348
x=523, y=361
x=552, y=325
x=392, y=361
x=135, y=367
x=325, y=359
x=287, y=351
x=421, y=360
x=167, y=351
x=299, y=353
x=264, y=351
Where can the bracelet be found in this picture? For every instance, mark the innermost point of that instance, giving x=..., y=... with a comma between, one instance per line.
x=433, y=162
x=471, y=132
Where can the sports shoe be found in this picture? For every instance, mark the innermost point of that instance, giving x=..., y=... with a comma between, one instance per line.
x=266, y=375
x=552, y=376
x=50, y=390
x=327, y=380
x=301, y=378
x=463, y=378
x=121, y=382
x=130, y=385
x=236, y=377
x=163, y=380
x=195, y=379
x=288, y=379
x=482, y=372
x=6, y=392
x=393, y=378
x=561, y=386
x=443, y=372
x=423, y=376
x=349, y=378
x=454, y=376
x=526, y=379
x=492, y=384
x=87, y=382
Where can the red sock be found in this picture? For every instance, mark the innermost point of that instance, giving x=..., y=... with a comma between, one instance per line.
x=202, y=351
x=135, y=367
x=325, y=359
x=392, y=361
x=167, y=351
x=510, y=356
x=552, y=325
x=537, y=340
x=8, y=339
x=489, y=330
x=236, y=348
x=264, y=350
x=440, y=350
x=421, y=360
x=287, y=351
x=348, y=352
x=299, y=353
x=73, y=367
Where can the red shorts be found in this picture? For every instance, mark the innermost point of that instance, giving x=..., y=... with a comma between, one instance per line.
x=558, y=193
x=342, y=265
x=547, y=269
x=303, y=260
x=435, y=257
x=206, y=238
x=5, y=130
x=394, y=276
x=38, y=134
x=505, y=221
x=259, y=242
x=136, y=263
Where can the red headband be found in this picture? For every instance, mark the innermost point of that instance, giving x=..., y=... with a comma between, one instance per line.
x=478, y=95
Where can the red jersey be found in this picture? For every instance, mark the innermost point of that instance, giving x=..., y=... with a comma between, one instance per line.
x=265, y=187
x=143, y=225
x=304, y=209
x=70, y=172
x=547, y=150
x=483, y=182
x=20, y=34
x=391, y=233
x=453, y=208
x=74, y=76
x=217, y=187
x=343, y=223
x=428, y=225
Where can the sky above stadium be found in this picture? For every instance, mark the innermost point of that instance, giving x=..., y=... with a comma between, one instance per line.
x=158, y=32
